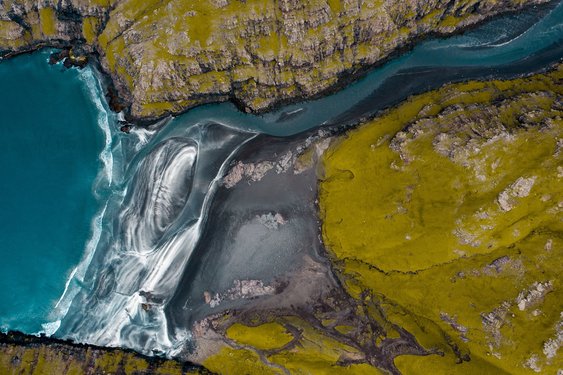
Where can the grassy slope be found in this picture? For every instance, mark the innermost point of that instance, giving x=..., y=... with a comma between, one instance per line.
x=29, y=355
x=436, y=221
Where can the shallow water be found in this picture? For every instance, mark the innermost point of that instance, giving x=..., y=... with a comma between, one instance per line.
x=157, y=189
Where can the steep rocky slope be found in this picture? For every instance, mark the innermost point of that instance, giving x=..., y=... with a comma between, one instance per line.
x=26, y=355
x=168, y=55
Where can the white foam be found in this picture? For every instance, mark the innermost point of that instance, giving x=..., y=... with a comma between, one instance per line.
x=96, y=93
x=50, y=328
x=103, y=180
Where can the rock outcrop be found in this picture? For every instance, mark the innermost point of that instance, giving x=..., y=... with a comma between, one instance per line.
x=165, y=56
x=26, y=355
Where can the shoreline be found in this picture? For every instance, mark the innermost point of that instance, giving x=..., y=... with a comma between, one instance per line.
x=106, y=82
x=19, y=339
x=344, y=79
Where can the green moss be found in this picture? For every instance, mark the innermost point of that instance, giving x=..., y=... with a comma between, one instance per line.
x=429, y=197
x=232, y=362
x=271, y=46
x=410, y=212
x=318, y=354
x=114, y=51
x=422, y=365
x=109, y=361
x=134, y=365
x=161, y=108
x=335, y=6
x=450, y=21
x=29, y=355
x=48, y=21
x=90, y=29
x=265, y=336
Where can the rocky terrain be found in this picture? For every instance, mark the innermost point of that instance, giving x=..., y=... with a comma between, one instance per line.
x=453, y=219
x=165, y=56
x=26, y=355
x=442, y=222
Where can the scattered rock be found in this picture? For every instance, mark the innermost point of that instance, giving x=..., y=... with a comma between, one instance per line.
x=533, y=295
x=271, y=221
x=519, y=189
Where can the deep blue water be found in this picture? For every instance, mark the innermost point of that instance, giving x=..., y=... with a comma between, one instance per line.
x=49, y=161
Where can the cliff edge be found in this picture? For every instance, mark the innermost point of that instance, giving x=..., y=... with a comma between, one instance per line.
x=165, y=56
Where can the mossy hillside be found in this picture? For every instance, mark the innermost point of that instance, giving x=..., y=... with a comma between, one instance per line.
x=267, y=349
x=449, y=306
x=192, y=52
x=27, y=25
x=426, y=158
x=29, y=355
x=319, y=354
x=12, y=35
x=48, y=21
x=265, y=336
x=449, y=208
x=90, y=27
x=231, y=361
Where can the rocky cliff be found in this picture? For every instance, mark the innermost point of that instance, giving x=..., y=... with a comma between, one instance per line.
x=165, y=56
x=23, y=355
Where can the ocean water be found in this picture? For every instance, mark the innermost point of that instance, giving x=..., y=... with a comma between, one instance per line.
x=49, y=161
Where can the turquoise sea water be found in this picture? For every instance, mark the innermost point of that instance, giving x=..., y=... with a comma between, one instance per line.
x=49, y=161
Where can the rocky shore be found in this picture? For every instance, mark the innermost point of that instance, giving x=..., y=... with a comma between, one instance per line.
x=24, y=354
x=167, y=56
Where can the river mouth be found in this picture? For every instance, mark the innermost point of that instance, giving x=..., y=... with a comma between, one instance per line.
x=173, y=240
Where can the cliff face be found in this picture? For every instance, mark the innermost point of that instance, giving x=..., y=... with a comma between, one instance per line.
x=21, y=354
x=165, y=56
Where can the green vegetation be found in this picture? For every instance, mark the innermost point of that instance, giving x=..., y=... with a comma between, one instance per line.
x=192, y=52
x=268, y=348
x=448, y=209
x=90, y=29
x=265, y=336
x=29, y=355
x=443, y=220
x=242, y=361
x=48, y=21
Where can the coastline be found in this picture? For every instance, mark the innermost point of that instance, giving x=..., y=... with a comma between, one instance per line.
x=343, y=79
x=85, y=356
x=106, y=82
